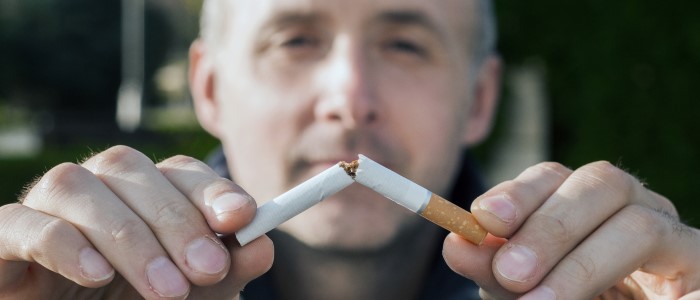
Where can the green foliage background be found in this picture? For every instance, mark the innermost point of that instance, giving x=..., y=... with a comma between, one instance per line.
x=621, y=82
x=622, y=79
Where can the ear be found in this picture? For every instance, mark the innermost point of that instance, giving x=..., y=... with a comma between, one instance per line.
x=202, y=80
x=486, y=92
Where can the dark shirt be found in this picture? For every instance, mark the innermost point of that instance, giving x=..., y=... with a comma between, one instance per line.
x=442, y=283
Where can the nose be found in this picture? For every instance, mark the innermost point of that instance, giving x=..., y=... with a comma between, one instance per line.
x=347, y=91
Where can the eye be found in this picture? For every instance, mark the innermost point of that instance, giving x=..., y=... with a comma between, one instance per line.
x=405, y=46
x=302, y=47
x=300, y=42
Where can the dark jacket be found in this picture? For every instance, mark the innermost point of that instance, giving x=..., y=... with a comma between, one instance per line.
x=442, y=283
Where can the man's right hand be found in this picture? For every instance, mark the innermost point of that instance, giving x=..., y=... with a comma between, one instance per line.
x=155, y=224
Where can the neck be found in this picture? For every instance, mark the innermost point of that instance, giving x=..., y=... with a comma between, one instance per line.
x=394, y=271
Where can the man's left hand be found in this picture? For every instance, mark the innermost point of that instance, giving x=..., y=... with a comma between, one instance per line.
x=597, y=231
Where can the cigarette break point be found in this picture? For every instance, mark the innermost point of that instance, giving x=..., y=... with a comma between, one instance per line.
x=350, y=168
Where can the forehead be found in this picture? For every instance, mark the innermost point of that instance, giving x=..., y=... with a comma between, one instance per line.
x=451, y=16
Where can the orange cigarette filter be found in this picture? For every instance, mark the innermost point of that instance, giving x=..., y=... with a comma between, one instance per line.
x=416, y=198
x=454, y=218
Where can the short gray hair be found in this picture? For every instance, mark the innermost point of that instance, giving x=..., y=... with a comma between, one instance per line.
x=486, y=33
x=214, y=21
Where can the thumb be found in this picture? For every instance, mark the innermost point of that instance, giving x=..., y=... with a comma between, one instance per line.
x=475, y=262
x=250, y=261
x=247, y=263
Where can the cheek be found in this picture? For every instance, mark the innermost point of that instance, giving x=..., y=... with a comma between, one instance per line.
x=258, y=135
x=429, y=102
x=427, y=114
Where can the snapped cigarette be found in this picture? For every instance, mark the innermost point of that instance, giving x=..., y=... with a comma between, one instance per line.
x=282, y=208
x=370, y=174
x=417, y=199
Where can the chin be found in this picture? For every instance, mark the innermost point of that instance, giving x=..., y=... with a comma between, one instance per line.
x=356, y=219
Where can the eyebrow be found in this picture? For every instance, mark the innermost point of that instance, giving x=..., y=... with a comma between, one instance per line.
x=409, y=18
x=390, y=17
x=282, y=20
x=291, y=17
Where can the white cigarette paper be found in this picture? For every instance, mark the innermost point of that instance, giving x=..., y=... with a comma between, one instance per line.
x=392, y=185
x=282, y=208
x=419, y=200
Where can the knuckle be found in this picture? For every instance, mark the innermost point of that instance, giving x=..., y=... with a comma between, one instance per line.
x=117, y=158
x=209, y=190
x=182, y=162
x=581, y=268
x=62, y=180
x=63, y=173
x=171, y=216
x=553, y=168
x=55, y=227
x=606, y=171
x=45, y=239
x=638, y=220
x=126, y=150
x=8, y=211
x=517, y=190
x=179, y=161
x=127, y=231
x=667, y=205
x=604, y=176
x=555, y=228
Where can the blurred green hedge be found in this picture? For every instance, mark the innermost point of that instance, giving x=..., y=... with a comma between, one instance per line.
x=622, y=83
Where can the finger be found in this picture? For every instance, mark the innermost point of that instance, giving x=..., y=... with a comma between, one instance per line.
x=225, y=205
x=57, y=245
x=71, y=193
x=474, y=262
x=250, y=261
x=506, y=206
x=178, y=225
x=13, y=272
x=247, y=263
x=691, y=296
x=620, y=246
x=595, y=192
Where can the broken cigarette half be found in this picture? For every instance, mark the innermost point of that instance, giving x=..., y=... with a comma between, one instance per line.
x=282, y=208
x=417, y=199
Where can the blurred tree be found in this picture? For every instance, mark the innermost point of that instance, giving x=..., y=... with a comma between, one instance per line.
x=64, y=50
x=65, y=59
x=622, y=83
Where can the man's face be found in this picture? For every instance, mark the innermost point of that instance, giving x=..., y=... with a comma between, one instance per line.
x=300, y=85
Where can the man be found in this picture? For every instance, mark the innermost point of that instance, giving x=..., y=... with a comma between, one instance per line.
x=291, y=87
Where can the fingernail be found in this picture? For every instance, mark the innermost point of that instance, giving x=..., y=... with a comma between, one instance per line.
x=206, y=256
x=93, y=266
x=517, y=263
x=499, y=206
x=540, y=293
x=165, y=278
x=228, y=202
